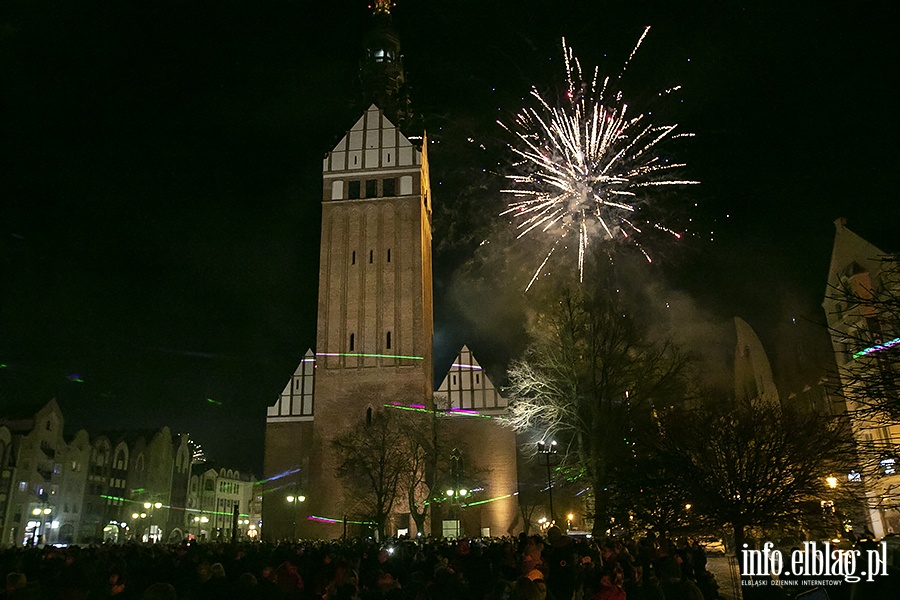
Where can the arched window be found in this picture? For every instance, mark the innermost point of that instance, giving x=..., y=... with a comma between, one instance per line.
x=120, y=459
x=387, y=344
x=352, y=340
x=369, y=416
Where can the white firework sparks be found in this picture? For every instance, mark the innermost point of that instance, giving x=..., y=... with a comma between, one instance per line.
x=587, y=165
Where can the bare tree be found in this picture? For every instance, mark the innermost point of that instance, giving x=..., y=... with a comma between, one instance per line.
x=863, y=312
x=866, y=329
x=372, y=459
x=648, y=495
x=586, y=382
x=752, y=464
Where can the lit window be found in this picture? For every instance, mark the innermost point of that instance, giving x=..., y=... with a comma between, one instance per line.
x=23, y=486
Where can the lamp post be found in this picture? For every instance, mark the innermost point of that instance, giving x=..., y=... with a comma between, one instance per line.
x=457, y=493
x=199, y=522
x=295, y=500
x=148, y=506
x=140, y=529
x=548, y=448
x=42, y=513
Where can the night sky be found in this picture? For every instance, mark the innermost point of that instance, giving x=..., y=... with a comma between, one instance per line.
x=161, y=178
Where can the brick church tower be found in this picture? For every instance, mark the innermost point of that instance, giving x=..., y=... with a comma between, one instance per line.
x=375, y=332
x=375, y=316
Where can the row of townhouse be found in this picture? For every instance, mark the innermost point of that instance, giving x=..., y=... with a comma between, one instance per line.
x=140, y=486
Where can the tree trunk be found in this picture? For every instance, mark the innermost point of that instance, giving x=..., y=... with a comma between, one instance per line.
x=601, y=511
x=418, y=517
x=738, y=542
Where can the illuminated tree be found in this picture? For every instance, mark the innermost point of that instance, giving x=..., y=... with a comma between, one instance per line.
x=589, y=382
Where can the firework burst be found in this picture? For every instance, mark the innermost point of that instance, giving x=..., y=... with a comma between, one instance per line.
x=587, y=165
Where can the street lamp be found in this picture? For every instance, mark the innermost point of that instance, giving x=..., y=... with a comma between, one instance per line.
x=548, y=448
x=140, y=529
x=42, y=513
x=148, y=506
x=295, y=500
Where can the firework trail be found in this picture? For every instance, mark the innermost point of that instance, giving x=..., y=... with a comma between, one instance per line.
x=587, y=165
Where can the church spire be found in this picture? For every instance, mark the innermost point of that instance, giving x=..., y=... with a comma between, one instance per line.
x=381, y=70
x=382, y=7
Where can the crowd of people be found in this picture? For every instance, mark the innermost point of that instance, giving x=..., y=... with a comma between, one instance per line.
x=535, y=567
x=551, y=567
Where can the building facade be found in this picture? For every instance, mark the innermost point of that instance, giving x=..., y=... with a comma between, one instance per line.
x=129, y=486
x=222, y=505
x=865, y=341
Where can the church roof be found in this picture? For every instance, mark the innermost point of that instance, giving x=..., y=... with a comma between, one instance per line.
x=467, y=387
x=373, y=141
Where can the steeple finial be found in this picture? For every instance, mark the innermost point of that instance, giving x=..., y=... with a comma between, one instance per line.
x=382, y=7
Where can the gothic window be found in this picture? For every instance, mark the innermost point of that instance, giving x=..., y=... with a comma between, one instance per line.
x=371, y=256
x=353, y=189
x=369, y=416
x=353, y=258
x=388, y=341
x=351, y=342
x=371, y=188
x=389, y=185
x=389, y=255
x=120, y=460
